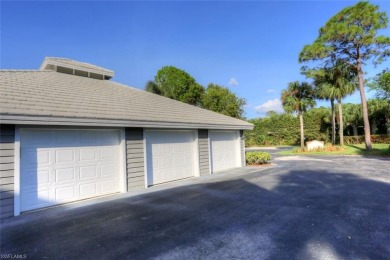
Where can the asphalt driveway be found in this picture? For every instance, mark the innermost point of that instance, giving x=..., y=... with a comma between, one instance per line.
x=301, y=208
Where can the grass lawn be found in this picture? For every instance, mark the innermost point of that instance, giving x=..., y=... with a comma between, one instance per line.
x=353, y=149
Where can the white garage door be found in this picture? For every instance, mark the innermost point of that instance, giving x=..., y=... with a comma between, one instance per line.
x=59, y=166
x=170, y=155
x=225, y=150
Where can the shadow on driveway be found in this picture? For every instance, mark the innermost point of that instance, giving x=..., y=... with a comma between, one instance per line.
x=311, y=214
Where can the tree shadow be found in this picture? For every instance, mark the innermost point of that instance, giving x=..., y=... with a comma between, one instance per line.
x=292, y=215
x=375, y=152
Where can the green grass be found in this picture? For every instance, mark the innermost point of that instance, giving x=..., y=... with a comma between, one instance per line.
x=355, y=149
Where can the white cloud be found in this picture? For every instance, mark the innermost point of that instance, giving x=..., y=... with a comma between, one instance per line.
x=270, y=105
x=233, y=82
x=271, y=90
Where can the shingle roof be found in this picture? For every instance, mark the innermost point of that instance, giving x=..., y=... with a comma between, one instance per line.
x=40, y=97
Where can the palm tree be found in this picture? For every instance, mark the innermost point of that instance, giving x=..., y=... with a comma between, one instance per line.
x=336, y=83
x=298, y=97
x=320, y=82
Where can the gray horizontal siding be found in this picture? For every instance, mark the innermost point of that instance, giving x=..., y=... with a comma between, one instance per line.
x=204, y=159
x=135, y=166
x=7, y=151
x=242, y=148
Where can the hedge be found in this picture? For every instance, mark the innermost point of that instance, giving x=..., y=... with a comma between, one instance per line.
x=377, y=139
x=283, y=129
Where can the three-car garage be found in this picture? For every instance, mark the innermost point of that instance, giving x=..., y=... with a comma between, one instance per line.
x=65, y=165
x=69, y=133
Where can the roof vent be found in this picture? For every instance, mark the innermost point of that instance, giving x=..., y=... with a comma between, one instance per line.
x=77, y=68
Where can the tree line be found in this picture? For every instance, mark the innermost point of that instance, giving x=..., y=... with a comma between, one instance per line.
x=334, y=65
x=283, y=128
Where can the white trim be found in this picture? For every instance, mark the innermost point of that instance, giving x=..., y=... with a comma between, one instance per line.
x=123, y=162
x=145, y=158
x=17, y=172
x=209, y=143
x=243, y=156
x=117, y=123
x=196, y=153
x=238, y=140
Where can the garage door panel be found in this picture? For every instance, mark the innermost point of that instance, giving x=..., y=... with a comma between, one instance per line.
x=43, y=157
x=108, y=186
x=87, y=172
x=65, y=175
x=170, y=155
x=65, y=194
x=107, y=153
x=179, y=161
x=68, y=173
x=107, y=170
x=165, y=163
x=87, y=154
x=88, y=189
x=64, y=155
x=43, y=177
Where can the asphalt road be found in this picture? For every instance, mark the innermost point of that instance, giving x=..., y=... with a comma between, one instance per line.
x=301, y=208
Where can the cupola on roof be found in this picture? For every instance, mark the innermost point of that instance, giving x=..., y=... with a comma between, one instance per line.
x=68, y=66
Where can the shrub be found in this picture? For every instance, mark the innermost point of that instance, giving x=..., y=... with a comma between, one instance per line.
x=332, y=148
x=257, y=158
x=327, y=148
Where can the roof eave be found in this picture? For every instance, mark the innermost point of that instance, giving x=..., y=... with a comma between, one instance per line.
x=73, y=121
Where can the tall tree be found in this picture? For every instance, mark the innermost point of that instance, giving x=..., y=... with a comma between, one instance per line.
x=351, y=36
x=221, y=100
x=177, y=84
x=298, y=97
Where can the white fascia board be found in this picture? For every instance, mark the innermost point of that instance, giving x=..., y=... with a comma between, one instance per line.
x=39, y=120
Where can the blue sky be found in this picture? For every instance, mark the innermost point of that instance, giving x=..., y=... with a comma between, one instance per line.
x=251, y=47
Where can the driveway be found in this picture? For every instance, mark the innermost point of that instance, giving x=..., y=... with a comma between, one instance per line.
x=301, y=208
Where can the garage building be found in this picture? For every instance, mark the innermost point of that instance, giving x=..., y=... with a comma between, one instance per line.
x=70, y=133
